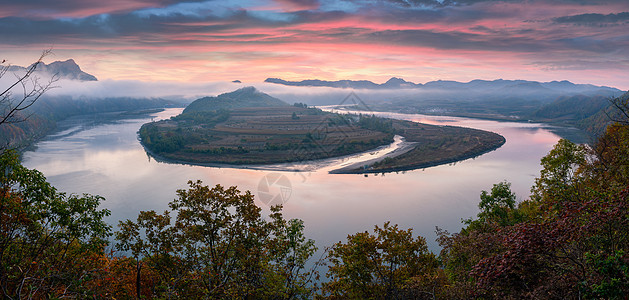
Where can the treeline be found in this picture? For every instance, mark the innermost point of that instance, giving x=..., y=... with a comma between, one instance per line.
x=169, y=141
x=376, y=123
x=159, y=141
x=569, y=240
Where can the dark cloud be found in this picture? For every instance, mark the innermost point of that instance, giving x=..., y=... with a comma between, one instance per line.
x=300, y=4
x=78, y=8
x=16, y=30
x=595, y=19
x=456, y=40
x=416, y=3
x=579, y=2
x=177, y=28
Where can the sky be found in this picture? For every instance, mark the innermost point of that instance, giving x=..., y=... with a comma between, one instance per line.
x=581, y=41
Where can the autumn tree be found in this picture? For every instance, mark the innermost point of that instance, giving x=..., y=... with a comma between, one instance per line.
x=219, y=246
x=477, y=240
x=568, y=241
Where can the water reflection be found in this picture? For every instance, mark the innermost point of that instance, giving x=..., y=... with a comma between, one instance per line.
x=108, y=160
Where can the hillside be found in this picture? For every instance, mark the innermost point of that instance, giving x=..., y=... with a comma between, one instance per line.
x=393, y=83
x=597, y=123
x=250, y=127
x=41, y=118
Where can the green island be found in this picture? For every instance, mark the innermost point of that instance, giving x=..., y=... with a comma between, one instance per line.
x=249, y=127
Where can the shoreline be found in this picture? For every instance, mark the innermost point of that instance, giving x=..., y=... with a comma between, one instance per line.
x=417, y=166
x=403, y=148
x=354, y=168
x=310, y=165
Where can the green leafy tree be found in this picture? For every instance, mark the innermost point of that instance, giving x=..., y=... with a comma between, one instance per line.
x=388, y=264
x=48, y=240
x=497, y=207
x=560, y=179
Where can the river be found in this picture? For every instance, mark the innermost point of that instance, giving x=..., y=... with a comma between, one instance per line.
x=106, y=159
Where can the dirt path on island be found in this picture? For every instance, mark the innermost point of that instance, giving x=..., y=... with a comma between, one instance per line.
x=402, y=146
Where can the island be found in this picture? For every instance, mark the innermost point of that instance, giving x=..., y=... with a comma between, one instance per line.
x=248, y=127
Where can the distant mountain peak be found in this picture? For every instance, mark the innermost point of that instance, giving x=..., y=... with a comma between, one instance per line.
x=68, y=69
x=396, y=80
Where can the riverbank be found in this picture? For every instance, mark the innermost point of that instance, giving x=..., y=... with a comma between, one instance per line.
x=368, y=167
x=355, y=167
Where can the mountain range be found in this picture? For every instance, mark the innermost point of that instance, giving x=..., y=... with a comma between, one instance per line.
x=487, y=85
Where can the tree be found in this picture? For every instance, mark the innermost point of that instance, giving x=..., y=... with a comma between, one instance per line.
x=389, y=264
x=220, y=246
x=572, y=239
x=497, y=207
x=50, y=243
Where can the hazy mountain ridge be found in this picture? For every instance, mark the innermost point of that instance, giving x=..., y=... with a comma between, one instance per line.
x=394, y=82
x=498, y=84
x=64, y=69
x=555, y=102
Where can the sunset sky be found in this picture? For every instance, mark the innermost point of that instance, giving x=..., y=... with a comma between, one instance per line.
x=419, y=40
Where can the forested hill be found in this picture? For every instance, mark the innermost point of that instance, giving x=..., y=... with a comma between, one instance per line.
x=244, y=97
x=598, y=122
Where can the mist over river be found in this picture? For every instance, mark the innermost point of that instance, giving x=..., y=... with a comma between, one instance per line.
x=105, y=158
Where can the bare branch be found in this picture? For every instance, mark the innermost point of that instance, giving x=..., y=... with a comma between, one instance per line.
x=32, y=90
x=622, y=106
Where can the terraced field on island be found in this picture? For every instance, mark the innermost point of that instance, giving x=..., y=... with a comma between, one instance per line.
x=252, y=128
x=264, y=135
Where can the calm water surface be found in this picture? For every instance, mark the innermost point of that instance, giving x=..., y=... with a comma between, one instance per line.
x=106, y=159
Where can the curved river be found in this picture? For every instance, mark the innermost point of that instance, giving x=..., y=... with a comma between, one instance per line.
x=106, y=159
